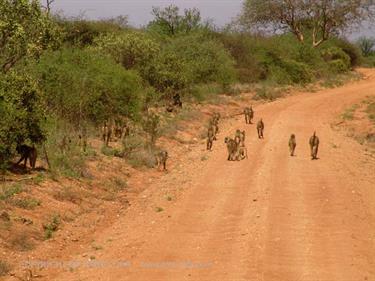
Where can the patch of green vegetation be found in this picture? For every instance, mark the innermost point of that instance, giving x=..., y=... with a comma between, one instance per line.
x=268, y=93
x=349, y=112
x=68, y=193
x=8, y=191
x=51, y=226
x=26, y=203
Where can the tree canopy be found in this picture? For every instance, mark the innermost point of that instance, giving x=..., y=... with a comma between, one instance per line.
x=315, y=19
x=25, y=31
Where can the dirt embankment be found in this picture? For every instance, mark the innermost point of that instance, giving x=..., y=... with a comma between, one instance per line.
x=270, y=217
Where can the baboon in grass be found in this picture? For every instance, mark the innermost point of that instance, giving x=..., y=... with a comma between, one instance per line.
x=106, y=133
x=314, y=146
x=260, y=129
x=249, y=114
x=210, y=137
x=161, y=159
x=292, y=144
x=232, y=148
x=27, y=152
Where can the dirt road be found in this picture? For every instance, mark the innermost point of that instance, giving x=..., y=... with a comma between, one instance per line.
x=271, y=217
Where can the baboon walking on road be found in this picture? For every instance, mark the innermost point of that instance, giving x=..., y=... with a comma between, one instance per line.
x=232, y=148
x=239, y=138
x=161, y=159
x=260, y=129
x=210, y=137
x=292, y=144
x=249, y=114
x=314, y=146
x=27, y=152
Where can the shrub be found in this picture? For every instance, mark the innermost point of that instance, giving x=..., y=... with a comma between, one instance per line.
x=26, y=203
x=21, y=112
x=130, y=49
x=338, y=60
x=8, y=191
x=51, y=226
x=206, y=59
x=83, y=85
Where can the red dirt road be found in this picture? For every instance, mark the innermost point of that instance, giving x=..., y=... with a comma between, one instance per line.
x=271, y=217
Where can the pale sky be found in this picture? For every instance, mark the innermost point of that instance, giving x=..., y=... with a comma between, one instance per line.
x=139, y=11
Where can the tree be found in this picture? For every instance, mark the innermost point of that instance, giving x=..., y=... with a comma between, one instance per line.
x=318, y=19
x=25, y=31
x=366, y=45
x=130, y=49
x=170, y=22
x=48, y=6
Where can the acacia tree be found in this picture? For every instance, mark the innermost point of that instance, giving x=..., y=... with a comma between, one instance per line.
x=25, y=31
x=318, y=19
x=171, y=22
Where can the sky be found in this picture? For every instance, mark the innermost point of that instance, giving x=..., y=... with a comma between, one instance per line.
x=139, y=11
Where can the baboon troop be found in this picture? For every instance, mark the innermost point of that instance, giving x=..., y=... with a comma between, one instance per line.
x=161, y=159
x=236, y=147
x=249, y=114
x=292, y=144
x=314, y=145
x=112, y=131
x=260, y=129
x=27, y=152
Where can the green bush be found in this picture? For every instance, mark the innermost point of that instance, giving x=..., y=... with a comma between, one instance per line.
x=206, y=60
x=82, y=85
x=337, y=59
x=22, y=114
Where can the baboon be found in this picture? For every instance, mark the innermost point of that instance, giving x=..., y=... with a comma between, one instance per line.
x=161, y=159
x=210, y=137
x=106, y=133
x=314, y=145
x=118, y=130
x=242, y=138
x=177, y=100
x=260, y=129
x=292, y=144
x=237, y=137
x=249, y=114
x=214, y=124
x=27, y=152
x=242, y=152
x=232, y=149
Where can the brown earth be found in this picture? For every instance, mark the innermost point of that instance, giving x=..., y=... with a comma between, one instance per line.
x=270, y=217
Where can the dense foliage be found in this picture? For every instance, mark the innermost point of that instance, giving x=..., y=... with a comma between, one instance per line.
x=81, y=85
